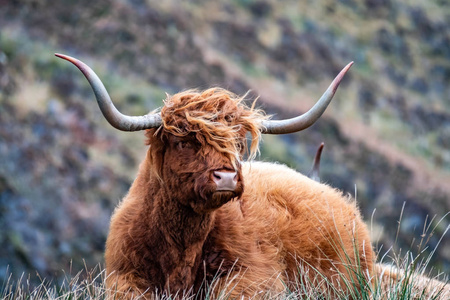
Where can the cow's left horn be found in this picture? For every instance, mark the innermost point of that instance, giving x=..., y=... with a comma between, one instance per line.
x=307, y=119
x=112, y=115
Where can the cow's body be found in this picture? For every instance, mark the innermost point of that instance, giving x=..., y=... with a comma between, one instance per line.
x=284, y=226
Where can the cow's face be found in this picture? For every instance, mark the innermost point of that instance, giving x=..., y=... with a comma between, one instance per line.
x=199, y=175
x=198, y=150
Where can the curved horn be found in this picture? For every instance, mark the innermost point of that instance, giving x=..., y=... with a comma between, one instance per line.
x=112, y=115
x=307, y=119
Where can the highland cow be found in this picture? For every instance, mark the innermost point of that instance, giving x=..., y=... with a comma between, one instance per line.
x=197, y=218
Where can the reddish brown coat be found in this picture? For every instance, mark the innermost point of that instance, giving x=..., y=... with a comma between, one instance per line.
x=173, y=232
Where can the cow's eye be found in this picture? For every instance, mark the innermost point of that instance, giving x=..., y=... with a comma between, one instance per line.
x=240, y=146
x=184, y=145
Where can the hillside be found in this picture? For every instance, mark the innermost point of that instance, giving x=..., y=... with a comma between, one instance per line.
x=63, y=169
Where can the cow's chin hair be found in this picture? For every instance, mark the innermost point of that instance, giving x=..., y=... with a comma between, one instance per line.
x=215, y=200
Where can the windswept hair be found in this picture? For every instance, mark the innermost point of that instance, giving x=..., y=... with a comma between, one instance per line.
x=216, y=117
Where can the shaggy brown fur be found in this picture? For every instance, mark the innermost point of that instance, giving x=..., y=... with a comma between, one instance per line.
x=175, y=232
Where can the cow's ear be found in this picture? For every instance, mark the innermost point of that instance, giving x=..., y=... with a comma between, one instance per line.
x=156, y=156
x=150, y=134
x=156, y=151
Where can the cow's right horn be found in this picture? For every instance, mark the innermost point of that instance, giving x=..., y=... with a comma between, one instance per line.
x=307, y=119
x=112, y=115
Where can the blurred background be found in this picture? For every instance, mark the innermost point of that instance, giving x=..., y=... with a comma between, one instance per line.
x=63, y=168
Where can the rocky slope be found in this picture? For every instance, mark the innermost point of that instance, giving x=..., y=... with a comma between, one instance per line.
x=63, y=169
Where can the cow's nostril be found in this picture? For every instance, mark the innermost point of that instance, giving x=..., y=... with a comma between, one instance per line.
x=225, y=181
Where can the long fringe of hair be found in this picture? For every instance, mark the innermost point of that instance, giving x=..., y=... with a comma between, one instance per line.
x=216, y=116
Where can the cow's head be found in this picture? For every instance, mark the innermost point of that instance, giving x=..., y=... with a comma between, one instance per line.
x=198, y=148
x=198, y=139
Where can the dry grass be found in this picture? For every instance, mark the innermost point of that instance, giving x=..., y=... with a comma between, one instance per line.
x=411, y=284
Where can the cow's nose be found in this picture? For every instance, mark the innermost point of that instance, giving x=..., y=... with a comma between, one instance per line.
x=225, y=180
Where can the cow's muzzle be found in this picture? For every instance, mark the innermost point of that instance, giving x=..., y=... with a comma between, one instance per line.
x=225, y=180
